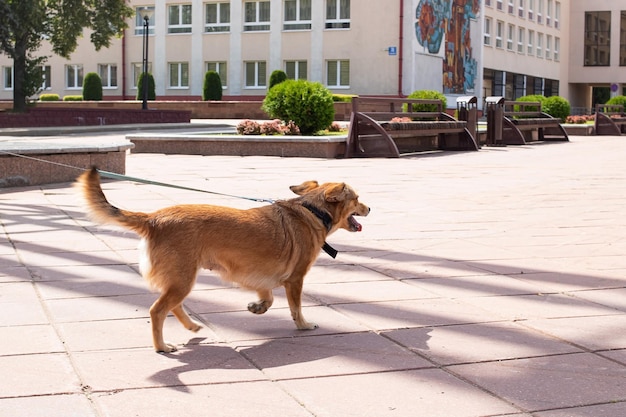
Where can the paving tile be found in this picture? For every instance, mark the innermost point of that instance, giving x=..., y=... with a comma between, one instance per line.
x=550, y=382
x=141, y=368
x=100, y=308
x=351, y=292
x=428, y=392
x=261, y=399
x=24, y=340
x=315, y=356
x=20, y=305
x=14, y=274
x=76, y=405
x=475, y=286
x=613, y=297
x=600, y=410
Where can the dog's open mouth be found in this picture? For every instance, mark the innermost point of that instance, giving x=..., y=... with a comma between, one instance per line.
x=354, y=225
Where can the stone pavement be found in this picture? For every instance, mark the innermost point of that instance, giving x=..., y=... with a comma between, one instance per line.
x=490, y=283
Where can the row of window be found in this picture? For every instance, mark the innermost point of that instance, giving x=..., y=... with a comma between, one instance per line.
x=524, y=41
x=255, y=74
x=533, y=10
x=256, y=16
x=508, y=84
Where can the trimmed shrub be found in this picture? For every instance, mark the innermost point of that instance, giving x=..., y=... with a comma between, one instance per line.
x=212, y=88
x=557, y=107
x=531, y=98
x=92, y=87
x=617, y=100
x=427, y=95
x=277, y=77
x=49, y=97
x=343, y=98
x=308, y=104
x=73, y=98
x=150, y=84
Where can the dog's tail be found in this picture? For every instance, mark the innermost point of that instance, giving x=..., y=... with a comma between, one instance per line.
x=101, y=211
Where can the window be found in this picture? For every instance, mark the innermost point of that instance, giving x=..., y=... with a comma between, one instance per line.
x=511, y=7
x=137, y=68
x=540, y=11
x=488, y=3
x=216, y=17
x=499, y=30
x=539, y=48
x=74, y=76
x=487, y=32
x=7, y=76
x=296, y=70
x=256, y=16
x=531, y=12
x=179, y=74
x=108, y=74
x=179, y=18
x=530, y=50
x=622, y=40
x=338, y=74
x=46, y=77
x=499, y=82
x=549, y=13
x=139, y=21
x=548, y=47
x=297, y=15
x=520, y=8
x=222, y=69
x=509, y=37
x=256, y=74
x=557, y=49
x=337, y=14
x=499, y=5
x=519, y=86
x=557, y=14
x=521, y=32
x=597, y=38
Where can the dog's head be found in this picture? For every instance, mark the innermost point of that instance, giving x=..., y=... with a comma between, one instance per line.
x=339, y=200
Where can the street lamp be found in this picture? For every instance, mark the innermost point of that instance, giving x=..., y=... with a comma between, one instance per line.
x=146, y=14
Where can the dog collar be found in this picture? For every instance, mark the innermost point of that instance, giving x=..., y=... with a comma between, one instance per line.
x=328, y=224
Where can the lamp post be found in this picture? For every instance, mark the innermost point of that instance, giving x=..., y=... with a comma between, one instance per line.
x=145, y=13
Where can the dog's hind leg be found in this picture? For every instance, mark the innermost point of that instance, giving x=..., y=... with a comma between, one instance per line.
x=266, y=299
x=183, y=317
x=294, y=297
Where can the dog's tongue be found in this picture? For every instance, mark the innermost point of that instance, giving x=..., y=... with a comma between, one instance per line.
x=357, y=226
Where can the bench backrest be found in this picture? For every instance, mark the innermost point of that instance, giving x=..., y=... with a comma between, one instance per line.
x=522, y=108
x=379, y=108
x=610, y=108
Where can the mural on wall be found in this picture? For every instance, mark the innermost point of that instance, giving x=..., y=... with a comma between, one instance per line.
x=446, y=23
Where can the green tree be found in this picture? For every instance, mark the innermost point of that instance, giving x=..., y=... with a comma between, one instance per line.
x=92, y=87
x=212, y=88
x=24, y=24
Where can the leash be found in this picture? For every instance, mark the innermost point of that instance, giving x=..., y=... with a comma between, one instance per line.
x=332, y=252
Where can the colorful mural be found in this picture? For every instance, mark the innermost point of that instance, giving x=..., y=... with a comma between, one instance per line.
x=448, y=22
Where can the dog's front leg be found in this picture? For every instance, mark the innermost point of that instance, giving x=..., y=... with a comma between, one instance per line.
x=294, y=297
x=266, y=299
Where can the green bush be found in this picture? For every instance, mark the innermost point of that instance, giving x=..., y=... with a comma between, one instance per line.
x=92, y=87
x=73, y=98
x=531, y=98
x=343, y=98
x=427, y=95
x=556, y=106
x=617, y=100
x=212, y=88
x=277, y=77
x=151, y=88
x=49, y=97
x=308, y=104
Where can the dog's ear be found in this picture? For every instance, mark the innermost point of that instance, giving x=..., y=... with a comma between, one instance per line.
x=336, y=193
x=304, y=188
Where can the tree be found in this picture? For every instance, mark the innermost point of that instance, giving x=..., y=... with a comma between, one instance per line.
x=212, y=88
x=24, y=24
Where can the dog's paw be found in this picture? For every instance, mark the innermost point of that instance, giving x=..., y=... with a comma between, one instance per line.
x=167, y=348
x=194, y=326
x=258, y=307
x=305, y=325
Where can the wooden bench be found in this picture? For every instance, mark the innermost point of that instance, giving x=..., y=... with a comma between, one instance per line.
x=520, y=122
x=390, y=127
x=610, y=119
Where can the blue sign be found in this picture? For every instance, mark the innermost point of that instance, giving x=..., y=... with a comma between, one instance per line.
x=392, y=50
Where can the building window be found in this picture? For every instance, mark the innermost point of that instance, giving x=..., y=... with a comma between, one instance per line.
x=216, y=17
x=179, y=18
x=222, y=69
x=557, y=49
x=520, y=8
x=549, y=13
x=540, y=11
x=509, y=37
x=511, y=7
x=519, y=86
x=521, y=32
x=539, y=48
x=531, y=43
x=137, y=69
x=557, y=14
x=499, y=83
x=499, y=5
x=46, y=77
x=139, y=21
x=7, y=76
x=256, y=16
x=531, y=10
x=179, y=75
x=597, y=38
x=487, y=32
x=622, y=40
x=337, y=14
x=488, y=3
x=297, y=15
x=338, y=74
x=74, y=76
x=296, y=70
x=256, y=74
x=108, y=75
x=548, y=47
x=499, y=30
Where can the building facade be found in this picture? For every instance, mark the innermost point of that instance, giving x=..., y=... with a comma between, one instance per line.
x=369, y=47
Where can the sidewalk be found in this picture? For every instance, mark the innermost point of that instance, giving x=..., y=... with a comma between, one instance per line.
x=490, y=283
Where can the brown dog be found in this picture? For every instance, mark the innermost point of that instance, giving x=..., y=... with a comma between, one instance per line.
x=260, y=248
